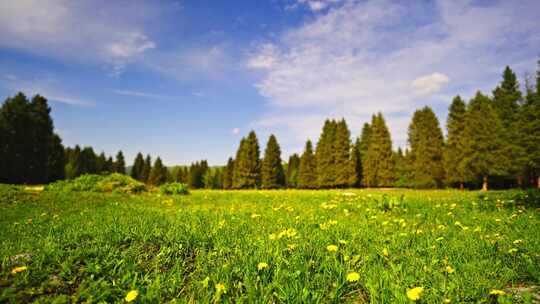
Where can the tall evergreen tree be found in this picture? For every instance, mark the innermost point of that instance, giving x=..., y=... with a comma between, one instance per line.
x=378, y=167
x=341, y=150
x=453, y=154
x=483, y=153
x=272, y=169
x=109, y=165
x=227, y=174
x=402, y=171
x=307, y=171
x=158, y=174
x=147, y=169
x=41, y=129
x=101, y=163
x=426, y=142
x=355, y=165
x=363, y=145
x=56, y=161
x=291, y=178
x=73, y=165
x=87, y=161
x=325, y=156
x=138, y=165
x=120, y=163
x=247, y=168
x=196, y=175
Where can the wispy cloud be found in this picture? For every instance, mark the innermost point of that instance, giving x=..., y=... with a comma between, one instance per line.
x=360, y=57
x=141, y=94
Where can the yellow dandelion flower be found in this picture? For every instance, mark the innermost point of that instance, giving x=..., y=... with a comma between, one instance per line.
x=332, y=248
x=272, y=236
x=446, y=301
x=518, y=242
x=255, y=215
x=343, y=242
x=415, y=293
x=262, y=266
x=131, y=296
x=353, y=277
x=497, y=292
x=385, y=252
x=18, y=269
x=512, y=250
x=449, y=269
x=220, y=288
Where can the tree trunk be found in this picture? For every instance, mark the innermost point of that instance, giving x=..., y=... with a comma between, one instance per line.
x=538, y=182
x=520, y=181
x=485, y=184
x=461, y=186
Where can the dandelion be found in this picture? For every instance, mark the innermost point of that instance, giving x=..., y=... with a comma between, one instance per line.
x=220, y=288
x=255, y=215
x=332, y=248
x=291, y=247
x=415, y=293
x=131, y=296
x=497, y=292
x=449, y=269
x=262, y=266
x=18, y=269
x=512, y=250
x=353, y=277
x=446, y=301
x=343, y=242
x=385, y=252
x=272, y=236
x=518, y=242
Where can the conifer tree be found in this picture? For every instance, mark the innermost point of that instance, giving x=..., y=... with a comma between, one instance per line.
x=120, y=163
x=56, y=160
x=355, y=165
x=87, y=161
x=307, y=171
x=227, y=174
x=109, y=165
x=147, y=168
x=426, y=155
x=363, y=145
x=483, y=153
x=325, y=156
x=158, y=174
x=341, y=150
x=402, y=174
x=378, y=168
x=291, y=178
x=196, y=174
x=101, y=163
x=453, y=154
x=272, y=169
x=73, y=167
x=247, y=168
x=138, y=165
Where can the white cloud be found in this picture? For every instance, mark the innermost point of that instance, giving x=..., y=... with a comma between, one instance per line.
x=78, y=30
x=235, y=131
x=314, y=5
x=358, y=58
x=429, y=84
x=140, y=94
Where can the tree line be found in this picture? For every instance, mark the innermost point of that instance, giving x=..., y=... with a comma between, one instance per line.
x=490, y=139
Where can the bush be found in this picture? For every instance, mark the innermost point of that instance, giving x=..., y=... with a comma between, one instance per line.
x=174, y=188
x=115, y=182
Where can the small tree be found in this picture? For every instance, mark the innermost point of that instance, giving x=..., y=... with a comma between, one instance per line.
x=307, y=174
x=272, y=169
x=159, y=173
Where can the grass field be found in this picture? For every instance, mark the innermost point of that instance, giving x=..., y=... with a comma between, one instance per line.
x=269, y=246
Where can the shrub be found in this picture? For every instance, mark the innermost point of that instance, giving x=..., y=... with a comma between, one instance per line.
x=115, y=182
x=174, y=188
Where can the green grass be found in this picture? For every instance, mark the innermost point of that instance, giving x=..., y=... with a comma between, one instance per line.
x=86, y=246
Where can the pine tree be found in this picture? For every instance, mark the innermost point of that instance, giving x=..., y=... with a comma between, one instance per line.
x=247, y=168
x=325, y=156
x=272, y=169
x=363, y=145
x=147, y=168
x=378, y=167
x=138, y=165
x=402, y=172
x=355, y=165
x=56, y=161
x=291, y=179
x=483, y=153
x=101, y=163
x=120, y=163
x=196, y=174
x=307, y=171
x=41, y=136
x=73, y=165
x=87, y=161
x=109, y=165
x=158, y=174
x=341, y=150
x=453, y=154
x=227, y=174
x=426, y=155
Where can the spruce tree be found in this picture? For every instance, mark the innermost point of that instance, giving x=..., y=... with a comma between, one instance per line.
x=120, y=163
x=158, y=174
x=101, y=163
x=272, y=169
x=402, y=172
x=87, y=161
x=453, y=154
x=307, y=171
x=378, y=167
x=291, y=177
x=247, y=168
x=355, y=165
x=138, y=165
x=483, y=153
x=529, y=127
x=426, y=142
x=325, y=156
x=73, y=165
x=363, y=145
x=109, y=165
x=227, y=174
x=56, y=160
x=147, y=168
x=341, y=150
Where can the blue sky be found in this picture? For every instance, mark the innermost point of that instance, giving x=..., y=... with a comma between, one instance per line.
x=185, y=80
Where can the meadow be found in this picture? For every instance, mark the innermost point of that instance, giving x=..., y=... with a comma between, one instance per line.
x=282, y=246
